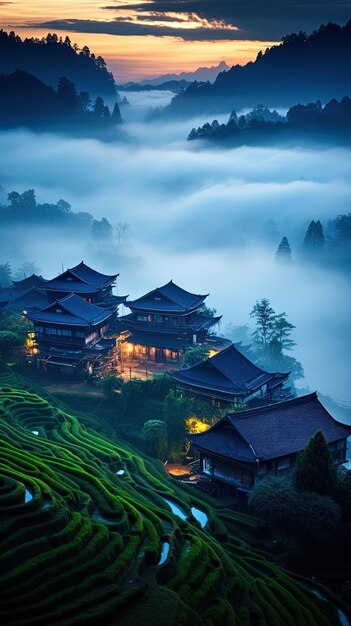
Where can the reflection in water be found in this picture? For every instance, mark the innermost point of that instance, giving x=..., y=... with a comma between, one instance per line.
x=176, y=509
x=27, y=496
x=164, y=552
x=200, y=516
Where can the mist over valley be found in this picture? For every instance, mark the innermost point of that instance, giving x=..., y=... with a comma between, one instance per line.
x=210, y=219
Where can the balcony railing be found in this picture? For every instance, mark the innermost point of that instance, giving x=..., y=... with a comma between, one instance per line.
x=166, y=327
x=60, y=340
x=285, y=472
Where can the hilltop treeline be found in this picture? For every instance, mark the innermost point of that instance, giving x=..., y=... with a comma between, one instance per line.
x=27, y=101
x=311, y=120
x=50, y=57
x=303, y=67
x=23, y=209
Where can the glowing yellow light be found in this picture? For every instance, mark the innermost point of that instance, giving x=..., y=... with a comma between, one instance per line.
x=130, y=348
x=194, y=425
x=212, y=352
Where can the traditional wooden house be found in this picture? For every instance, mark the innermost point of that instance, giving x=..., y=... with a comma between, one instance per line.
x=28, y=301
x=70, y=334
x=24, y=295
x=86, y=282
x=21, y=286
x=164, y=322
x=74, y=314
x=229, y=377
x=247, y=446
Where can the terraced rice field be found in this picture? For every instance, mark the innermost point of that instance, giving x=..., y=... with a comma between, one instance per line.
x=84, y=522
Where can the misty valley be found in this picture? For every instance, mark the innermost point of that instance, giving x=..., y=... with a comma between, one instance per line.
x=175, y=403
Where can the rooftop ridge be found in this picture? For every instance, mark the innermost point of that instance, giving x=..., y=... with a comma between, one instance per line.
x=276, y=405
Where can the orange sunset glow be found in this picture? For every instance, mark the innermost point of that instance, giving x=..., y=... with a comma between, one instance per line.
x=131, y=57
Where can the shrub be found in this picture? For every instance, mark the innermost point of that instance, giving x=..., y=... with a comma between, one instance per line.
x=274, y=500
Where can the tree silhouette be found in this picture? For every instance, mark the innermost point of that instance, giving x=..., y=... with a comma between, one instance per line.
x=5, y=275
x=101, y=229
x=283, y=254
x=314, y=241
x=116, y=114
x=66, y=91
x=25, y=200
x=123, y=231
x=193, y=355
x=155, y=433
x=264, y=316
x=315, y=470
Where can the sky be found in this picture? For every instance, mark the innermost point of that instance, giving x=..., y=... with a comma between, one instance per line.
x=153, y=37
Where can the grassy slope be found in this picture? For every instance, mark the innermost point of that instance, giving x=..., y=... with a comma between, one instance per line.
x=86, y=545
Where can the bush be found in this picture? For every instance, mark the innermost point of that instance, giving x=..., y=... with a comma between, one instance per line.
x=318, y=518
x=110, y=384
x=274, y=500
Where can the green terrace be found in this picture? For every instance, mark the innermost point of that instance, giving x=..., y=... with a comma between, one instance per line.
x=92, y=530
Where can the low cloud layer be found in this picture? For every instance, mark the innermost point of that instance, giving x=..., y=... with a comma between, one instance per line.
x=209, y=219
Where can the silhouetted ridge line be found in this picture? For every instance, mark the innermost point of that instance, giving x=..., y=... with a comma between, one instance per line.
x=301, y=68
x=51, y=57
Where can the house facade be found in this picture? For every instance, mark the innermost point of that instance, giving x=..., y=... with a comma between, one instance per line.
x=229, y=377
x=74, y=316
x=248, y=446
x=164, y=322
x=70, y=335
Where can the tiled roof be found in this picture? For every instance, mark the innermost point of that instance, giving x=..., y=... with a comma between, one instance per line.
x=271, y=431
x=80, y=279
x=26, y=283
x=91, y=276
x=229, y=371
x=169, y=298
x=33, y=299
x=74, y=311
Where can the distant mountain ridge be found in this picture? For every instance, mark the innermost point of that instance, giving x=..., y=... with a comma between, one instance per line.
x=51, y=57
x=202, y=73
x=302, y=68
x=175, y=82
x=171, y=85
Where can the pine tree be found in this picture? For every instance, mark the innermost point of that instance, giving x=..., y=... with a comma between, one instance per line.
x=264, y=315
x=282, y=332
x=116, y=114
x=314, y=469
x=283, y=254
x=314, y=241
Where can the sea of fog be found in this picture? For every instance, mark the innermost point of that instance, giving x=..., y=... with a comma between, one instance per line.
x=208, y=218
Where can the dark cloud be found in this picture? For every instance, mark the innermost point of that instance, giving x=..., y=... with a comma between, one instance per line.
x=121, y=27
x=255, y=20
x=263, y=21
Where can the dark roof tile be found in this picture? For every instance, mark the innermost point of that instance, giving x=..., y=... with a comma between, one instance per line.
x=271, y=431
x=170, y=298
x=229, y=371
x=74, y=311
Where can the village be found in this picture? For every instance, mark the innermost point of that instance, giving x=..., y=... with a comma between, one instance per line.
x=77, y=334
